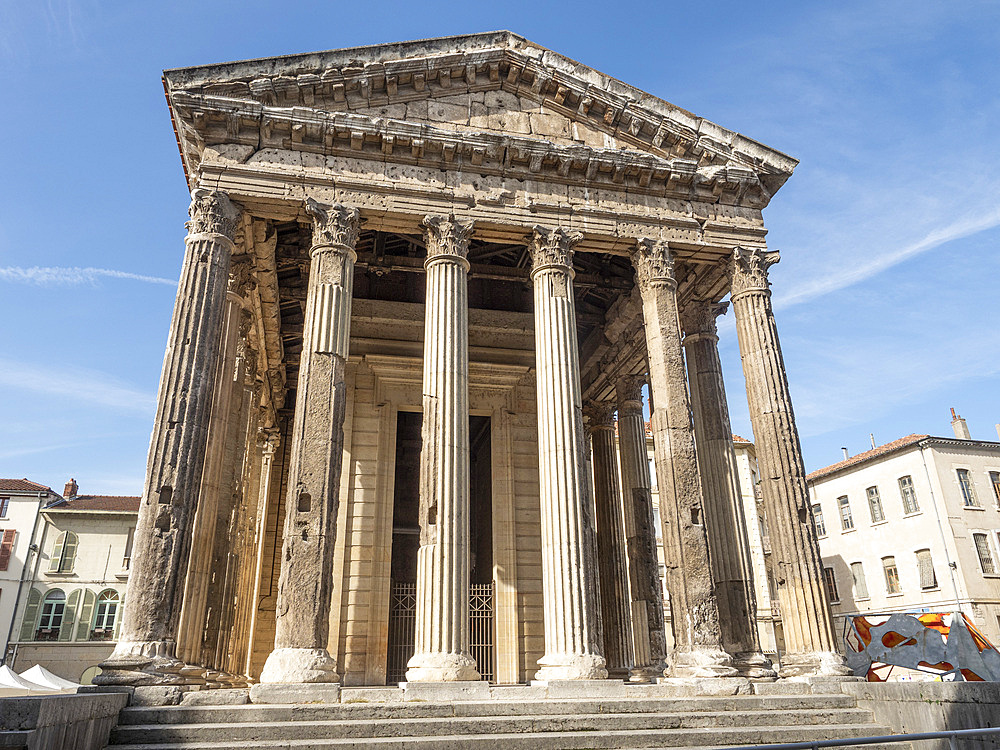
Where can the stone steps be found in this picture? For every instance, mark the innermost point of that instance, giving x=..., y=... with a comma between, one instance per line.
x=565, y=724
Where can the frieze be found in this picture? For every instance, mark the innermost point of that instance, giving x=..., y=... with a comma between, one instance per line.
x=212, y=212
x=334, y=225
x=210, y=120
x=446, y=235
x=749, y=266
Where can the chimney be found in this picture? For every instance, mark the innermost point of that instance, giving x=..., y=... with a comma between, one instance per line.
x=846, y=454
x=70, y=489
x=871, y=436
x=959, y=426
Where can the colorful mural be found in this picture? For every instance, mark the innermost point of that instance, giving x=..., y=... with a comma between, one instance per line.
x=947, y=645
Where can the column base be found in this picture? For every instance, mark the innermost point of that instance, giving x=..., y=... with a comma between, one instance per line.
x=813, y=664
x=646, y=673
x=571, y=667
x=754, y=665
x=140, y=663
x=290, y=693
x=701, y=662
x=442, y=668
x=299, y=665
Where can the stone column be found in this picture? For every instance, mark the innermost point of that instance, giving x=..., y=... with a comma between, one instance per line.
x=697, y=636
x=649, y=639
x=145, y=653
x=805, y=614
x=442, y=628
x=569, y=575
x=727, y=530
x=302, y=617
x=616, y=613
x=269, y=438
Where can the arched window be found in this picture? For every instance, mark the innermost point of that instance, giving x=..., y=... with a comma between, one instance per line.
x=106, y=613
x=51, y=618
x=63, y=556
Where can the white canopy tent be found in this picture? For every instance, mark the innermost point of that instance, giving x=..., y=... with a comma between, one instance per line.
x=41, y=676
x=13, y=685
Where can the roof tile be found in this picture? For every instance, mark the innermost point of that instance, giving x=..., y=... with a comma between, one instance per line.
x=22, y=485
x=867, y=455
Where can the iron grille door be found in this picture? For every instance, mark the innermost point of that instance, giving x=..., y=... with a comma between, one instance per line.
x=403, y=623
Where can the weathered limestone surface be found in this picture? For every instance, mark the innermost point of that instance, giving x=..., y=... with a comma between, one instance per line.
x=806, y=619
x=640, y=532
x=304, y=588
x=727, y=534
x=570, y=588
x=697, y=633
x=616, y=611
x=145, y=653
x=442, y=631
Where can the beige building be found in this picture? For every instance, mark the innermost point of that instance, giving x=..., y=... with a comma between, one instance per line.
x=20, y=502
x=913, y=526
x=413, y=271
x=69, y=612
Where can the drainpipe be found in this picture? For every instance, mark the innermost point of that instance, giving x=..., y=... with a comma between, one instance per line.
x=944, y=541
x=32, y=549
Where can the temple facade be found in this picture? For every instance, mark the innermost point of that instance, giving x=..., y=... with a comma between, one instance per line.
x=420, y=281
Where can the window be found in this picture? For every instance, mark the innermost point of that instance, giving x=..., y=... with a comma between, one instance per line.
x=127, y=558
x=818, y=521
x=908, y=494
x=831, y=584
x=968, y=491
x=652, y=474
x=53, y=608
x=104, y=620
x=875, y=505
x=994, y=480
x=860, y=584
x=4, y=502
x=846, y=520
x=982, y=543
x=6, y=547
x=925, y=566
x=64, y=553
x=891, y=576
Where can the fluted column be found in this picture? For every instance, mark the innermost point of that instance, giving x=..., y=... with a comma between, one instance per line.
x=649, y=639
x=269, y=439
x=697, y=637
x=305, y=586
x=727, y=531
x=145, y=653
x=442, y=628
x=616, y=614
x=809, y=640
x=569, y=575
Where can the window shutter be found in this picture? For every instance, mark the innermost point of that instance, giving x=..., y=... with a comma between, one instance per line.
x=57, y=553
x=69, y=553
x=69, y=616
x=86, y=615
x=118, y=615
x=30, y=619
x=6, y=547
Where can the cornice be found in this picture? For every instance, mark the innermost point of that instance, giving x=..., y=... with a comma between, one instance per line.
x=205, y=120
x=389, y=74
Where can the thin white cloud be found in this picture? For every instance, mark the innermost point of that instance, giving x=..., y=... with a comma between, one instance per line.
x=78, y=384
x=965, y=227
x=62, y=276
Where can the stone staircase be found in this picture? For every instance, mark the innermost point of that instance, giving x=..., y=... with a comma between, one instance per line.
x=640, y=721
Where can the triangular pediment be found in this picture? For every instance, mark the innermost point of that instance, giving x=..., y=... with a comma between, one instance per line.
x=492, y=86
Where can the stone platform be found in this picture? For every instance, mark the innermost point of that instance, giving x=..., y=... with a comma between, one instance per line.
x=716, y=713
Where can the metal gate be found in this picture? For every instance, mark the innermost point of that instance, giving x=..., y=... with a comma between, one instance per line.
x=403, y=625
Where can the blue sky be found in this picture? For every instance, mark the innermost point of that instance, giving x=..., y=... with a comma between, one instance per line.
x=886, y=295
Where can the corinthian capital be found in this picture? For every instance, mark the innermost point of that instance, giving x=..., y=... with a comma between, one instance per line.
x=600, y=415
x=749, y=269
x=334, y=225
x=212, y=212
x=698, y=316
x=552, y=247
x=654, y=263
x=446, y=235
x=629, y=392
